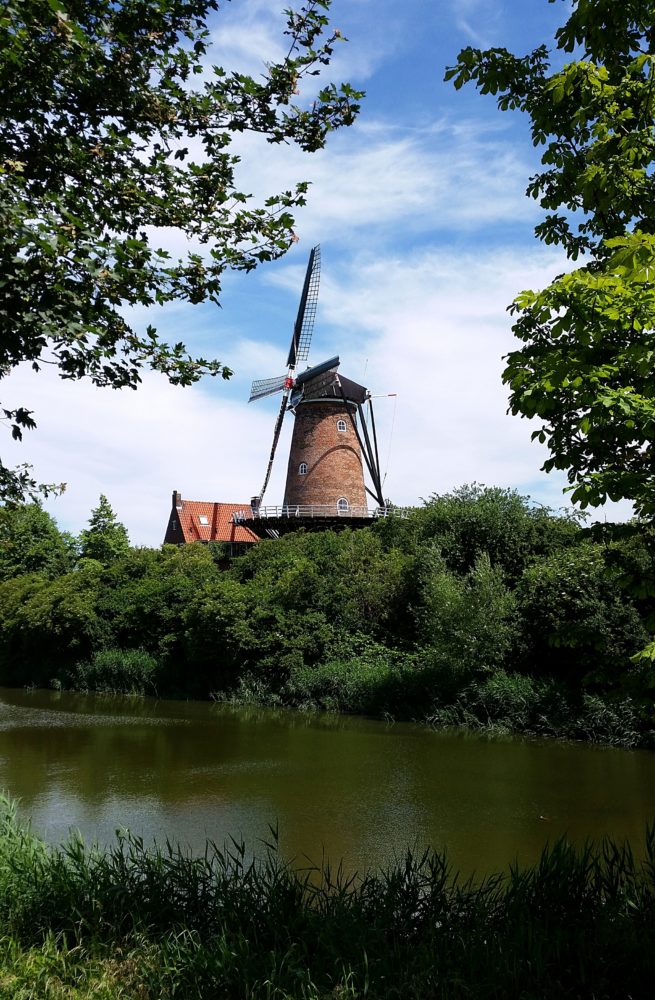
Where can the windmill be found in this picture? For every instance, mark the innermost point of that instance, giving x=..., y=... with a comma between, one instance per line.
x=298, y=352
x=331, y=439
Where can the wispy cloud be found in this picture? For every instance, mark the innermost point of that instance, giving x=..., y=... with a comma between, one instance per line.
x=441, y=177
x=478, y=20
x=246, y=37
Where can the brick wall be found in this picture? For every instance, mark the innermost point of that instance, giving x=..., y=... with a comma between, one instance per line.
x=333, y=457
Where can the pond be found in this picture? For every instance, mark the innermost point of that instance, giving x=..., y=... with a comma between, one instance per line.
x=342, y=787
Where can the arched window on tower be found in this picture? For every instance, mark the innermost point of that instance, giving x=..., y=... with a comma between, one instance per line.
x=341, y=426
x=302, y=469
x=342, y=505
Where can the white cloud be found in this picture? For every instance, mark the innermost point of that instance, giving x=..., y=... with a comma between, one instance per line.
x=136, y=447
x=377, y=179
x=376, y=182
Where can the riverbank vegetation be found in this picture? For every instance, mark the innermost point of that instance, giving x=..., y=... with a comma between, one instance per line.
x=477, y=609
x=135, y=923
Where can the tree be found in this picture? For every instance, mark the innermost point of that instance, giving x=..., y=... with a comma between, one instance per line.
x=106, y=538
x=587, y=364
x=30, y=542
x=115, y=126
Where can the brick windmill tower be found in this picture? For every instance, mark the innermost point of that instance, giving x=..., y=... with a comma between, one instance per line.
x=334, y=438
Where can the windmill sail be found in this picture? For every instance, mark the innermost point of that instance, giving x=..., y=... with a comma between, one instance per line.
x=266, y=387
x=304, y=325
x=276, y=438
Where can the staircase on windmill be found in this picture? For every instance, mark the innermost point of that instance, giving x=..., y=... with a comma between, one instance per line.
x=334, y=438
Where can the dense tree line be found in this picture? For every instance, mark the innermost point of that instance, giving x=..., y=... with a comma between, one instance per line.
x=478, y=608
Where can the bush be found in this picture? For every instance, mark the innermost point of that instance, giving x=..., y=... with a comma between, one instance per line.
x=469, y=621
x=117, y=671
x=578, y=624
x=510, y=702
x=358, y=676
x=48, y=625
x=474, y=520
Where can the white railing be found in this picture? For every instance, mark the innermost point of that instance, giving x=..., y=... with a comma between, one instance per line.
x=317, y=510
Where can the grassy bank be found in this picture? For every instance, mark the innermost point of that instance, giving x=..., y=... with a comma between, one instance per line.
x=155, y=924
x=498, y=702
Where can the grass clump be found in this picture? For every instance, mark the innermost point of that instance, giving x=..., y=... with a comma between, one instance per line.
x=117, y=671
x=159, y=923
x=515, y=703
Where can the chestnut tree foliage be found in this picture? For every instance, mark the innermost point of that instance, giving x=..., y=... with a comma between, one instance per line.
x=116, y=125
x=586, y=365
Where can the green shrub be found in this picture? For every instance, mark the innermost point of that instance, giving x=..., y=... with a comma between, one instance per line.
x=358, y=675
x=48, y=625
x=577, y=621
x=470, y=621
x=475, y=520
x=511, y=702
x=617, y=723
x=117, y=671
x=506, y=701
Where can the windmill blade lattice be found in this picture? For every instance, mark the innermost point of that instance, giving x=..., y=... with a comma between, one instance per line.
x=276, y=438
x=304, y=325
x=266, y=387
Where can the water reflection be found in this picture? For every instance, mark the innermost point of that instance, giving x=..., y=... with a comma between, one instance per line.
x=354, y=789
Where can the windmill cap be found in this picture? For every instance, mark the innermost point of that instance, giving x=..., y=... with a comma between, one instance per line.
x=317, y=370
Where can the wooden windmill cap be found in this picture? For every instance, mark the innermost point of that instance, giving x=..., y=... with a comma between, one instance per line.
x=321, y=383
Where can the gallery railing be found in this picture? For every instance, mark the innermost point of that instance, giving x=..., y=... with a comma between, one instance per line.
x=317, y=510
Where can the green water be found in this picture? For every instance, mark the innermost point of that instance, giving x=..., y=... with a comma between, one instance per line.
x=344, y=787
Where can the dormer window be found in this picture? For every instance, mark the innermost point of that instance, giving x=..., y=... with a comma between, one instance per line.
x=342, y=505
x=203, y=519
x=302, y=469
x=341, y=426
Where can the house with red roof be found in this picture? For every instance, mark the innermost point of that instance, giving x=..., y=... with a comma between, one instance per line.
x=202, y=521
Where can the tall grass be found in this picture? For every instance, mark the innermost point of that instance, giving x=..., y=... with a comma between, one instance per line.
x=116, y=671
x=161, y=923
x=540, y=706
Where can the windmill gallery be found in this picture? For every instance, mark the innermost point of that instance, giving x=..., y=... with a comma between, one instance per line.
x=334, y=441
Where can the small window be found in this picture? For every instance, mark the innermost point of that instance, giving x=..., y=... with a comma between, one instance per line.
x=341, y=426
x=203, y=519
x=342, y=504
x=302, y=469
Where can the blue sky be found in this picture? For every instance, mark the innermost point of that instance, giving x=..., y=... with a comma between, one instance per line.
x=426, y=237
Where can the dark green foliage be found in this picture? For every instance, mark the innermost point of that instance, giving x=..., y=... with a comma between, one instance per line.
x=46, y=625
x=584, y=367
x=577, y=621
x=470, y=621
x=359, y=675
x=579, y=923
x=348, y=575
x=31, y=543
x=516, y=703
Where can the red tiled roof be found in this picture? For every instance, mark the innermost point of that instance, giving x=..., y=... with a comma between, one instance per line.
x=184, y=524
